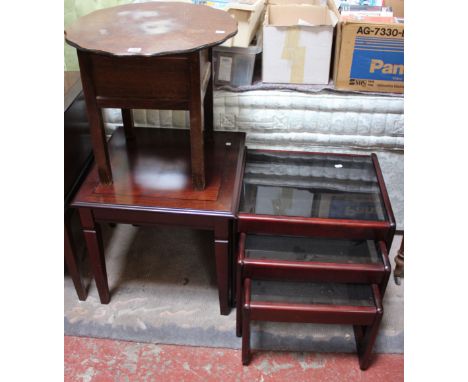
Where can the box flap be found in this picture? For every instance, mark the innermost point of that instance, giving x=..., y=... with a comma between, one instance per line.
x=296, y=2
x=246, y=5
x=305, y=15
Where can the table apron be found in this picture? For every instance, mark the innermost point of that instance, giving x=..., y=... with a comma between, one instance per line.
x=319, y=272
x=313, y=227
x=208, y=222
x=319, y=314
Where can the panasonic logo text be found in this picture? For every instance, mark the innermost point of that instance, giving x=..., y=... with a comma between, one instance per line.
x=379, y=65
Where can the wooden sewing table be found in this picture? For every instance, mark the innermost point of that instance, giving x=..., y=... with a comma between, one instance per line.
x=154, y=55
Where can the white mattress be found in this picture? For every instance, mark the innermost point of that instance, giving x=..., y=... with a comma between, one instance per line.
x=291, y=120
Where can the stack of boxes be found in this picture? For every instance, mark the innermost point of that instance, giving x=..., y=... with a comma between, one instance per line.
x=360, y=47
x=369, y=51
x=234, y=60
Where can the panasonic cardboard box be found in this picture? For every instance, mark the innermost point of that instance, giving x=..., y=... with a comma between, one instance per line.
x=297, y=42
x=369, y=57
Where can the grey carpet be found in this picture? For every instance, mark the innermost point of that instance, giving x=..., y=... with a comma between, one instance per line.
x=162, y=282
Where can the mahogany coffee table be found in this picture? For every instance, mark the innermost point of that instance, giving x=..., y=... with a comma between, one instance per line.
x=153, y=55
x=152, y=186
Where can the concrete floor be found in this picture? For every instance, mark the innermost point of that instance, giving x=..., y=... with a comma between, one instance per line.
x=163, y=289
x=99, y=360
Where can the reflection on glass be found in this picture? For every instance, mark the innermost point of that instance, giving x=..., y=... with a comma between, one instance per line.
x=312, y=293
x=323, y=186
x=290, y=248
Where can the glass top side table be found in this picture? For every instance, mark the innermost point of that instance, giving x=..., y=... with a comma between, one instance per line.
x=339, y=195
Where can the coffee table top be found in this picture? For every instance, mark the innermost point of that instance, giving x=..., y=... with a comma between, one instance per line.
x=151, y=29
x=153, y=174
x=314, y=185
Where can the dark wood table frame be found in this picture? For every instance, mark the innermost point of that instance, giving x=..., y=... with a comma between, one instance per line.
x=268, y=269
x=325, y=227
x=220, y=225
x=365, y=319
x=150, y=56
x=170, y=82
x=141, y=204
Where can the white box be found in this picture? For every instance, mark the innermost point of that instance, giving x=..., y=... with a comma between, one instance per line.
x=297, y=42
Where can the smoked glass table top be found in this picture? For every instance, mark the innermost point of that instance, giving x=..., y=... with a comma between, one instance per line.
x=311, y=185
x=312, y=293
x=288, y=248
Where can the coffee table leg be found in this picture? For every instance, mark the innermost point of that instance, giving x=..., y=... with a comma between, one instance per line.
x=238, y=266
x=127, y=120
x=72, y=262
x=233, y=238
x=221, y=253
x=246, y=322
x=197, y=144
x=366, y=336
x=221, y=244
x=93, y=239
x=239, y=301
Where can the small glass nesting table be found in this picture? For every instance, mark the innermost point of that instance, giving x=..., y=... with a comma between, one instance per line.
x=314, y=233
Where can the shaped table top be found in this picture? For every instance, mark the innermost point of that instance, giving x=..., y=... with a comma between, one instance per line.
x=151, y=29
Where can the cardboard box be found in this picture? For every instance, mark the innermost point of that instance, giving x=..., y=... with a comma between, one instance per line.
x=297, y=42
x=398, y=7
x=369, y=56
x=248, y=16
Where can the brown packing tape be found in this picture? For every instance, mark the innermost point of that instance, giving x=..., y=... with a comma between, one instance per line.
x=295, y=53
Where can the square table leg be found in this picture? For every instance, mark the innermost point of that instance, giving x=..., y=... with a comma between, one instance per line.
x=239, y=301
x=71, y=261
x=222, y=258
x=246, y=354
x=366, y=335
x=93, y=239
